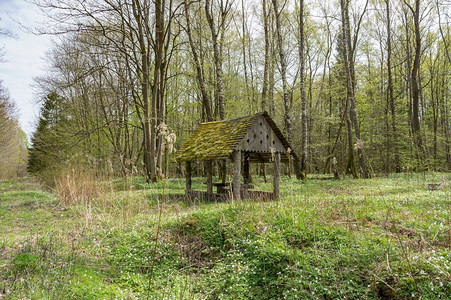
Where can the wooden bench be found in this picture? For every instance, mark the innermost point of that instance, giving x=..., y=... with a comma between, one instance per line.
x=222, y=188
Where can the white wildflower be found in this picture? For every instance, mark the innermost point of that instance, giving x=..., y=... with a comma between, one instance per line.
x=334, y=160
x=358, y=144
x=168, y=137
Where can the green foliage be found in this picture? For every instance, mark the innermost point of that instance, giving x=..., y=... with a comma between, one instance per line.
x=47, y=152
x=13, y=141
x=24, y=261
x=366, y=239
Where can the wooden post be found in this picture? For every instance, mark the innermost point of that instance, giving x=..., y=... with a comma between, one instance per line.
x=276, y=192
x=246, y=169
x=188, y=178
x=209, y=166
x=223, y=171
x=236, y=186
x=262, y=167
x=246, y=175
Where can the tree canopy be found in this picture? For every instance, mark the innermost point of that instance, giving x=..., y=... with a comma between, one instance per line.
x=357, y=86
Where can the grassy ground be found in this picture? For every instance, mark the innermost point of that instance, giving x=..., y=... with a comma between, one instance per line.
x=386, y=237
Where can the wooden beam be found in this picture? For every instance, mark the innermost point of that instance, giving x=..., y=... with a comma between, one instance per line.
x=276, y=193
x=188, y=177
x=209, y=166
x=223, y=170
x=246, y=174
x=236, y=185
x=246, y=168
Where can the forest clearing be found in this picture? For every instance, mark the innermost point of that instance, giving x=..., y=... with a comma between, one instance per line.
x=225, y=149
x=386, y=237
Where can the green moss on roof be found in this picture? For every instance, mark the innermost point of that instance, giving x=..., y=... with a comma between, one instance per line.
x=215, y=140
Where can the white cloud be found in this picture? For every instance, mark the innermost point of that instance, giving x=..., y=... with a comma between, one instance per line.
x=24, y=57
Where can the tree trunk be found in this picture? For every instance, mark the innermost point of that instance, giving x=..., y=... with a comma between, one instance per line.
x=236, y=184
x=408, y=73
x=200, y=74
x=283, y=71
x=243, y=51
x=217, y=56
x=267, y=57
x=350, y=167
x=416, y=88
x=265, y=72
x=149, y=136
x=352, y=109
x=188, y=178
x=390, y=91
x=157, y=92
x=276, y=178
x=209, y=169
x=303, y=166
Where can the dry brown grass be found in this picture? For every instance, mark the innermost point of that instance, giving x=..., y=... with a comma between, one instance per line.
x=81, y=185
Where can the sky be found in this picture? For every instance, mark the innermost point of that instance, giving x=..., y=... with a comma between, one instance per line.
x=24, y=58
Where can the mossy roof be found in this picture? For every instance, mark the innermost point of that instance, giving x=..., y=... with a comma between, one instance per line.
x=217, y=140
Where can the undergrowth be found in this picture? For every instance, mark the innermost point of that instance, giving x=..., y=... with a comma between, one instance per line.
x=387, y=238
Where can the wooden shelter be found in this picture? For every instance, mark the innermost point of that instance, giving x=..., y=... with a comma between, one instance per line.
x=253, y=138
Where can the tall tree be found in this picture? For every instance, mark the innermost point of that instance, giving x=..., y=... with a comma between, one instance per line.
x=13, y=145
x=283, y=71
x=303, y=167
x=267, y=56
x=390, y=87
x=134, y=36
x=141, y=16
x=206, y=102
x=351, y=102
x=215, y=30
x=415, y=81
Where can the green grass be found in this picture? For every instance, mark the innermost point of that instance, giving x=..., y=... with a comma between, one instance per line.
x=386, y=238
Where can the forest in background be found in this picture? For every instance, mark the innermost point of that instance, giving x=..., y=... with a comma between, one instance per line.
x=361, y=86
x=13, y=141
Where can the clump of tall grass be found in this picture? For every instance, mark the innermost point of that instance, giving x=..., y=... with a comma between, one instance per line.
x=97, y=194
x=80, y=185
